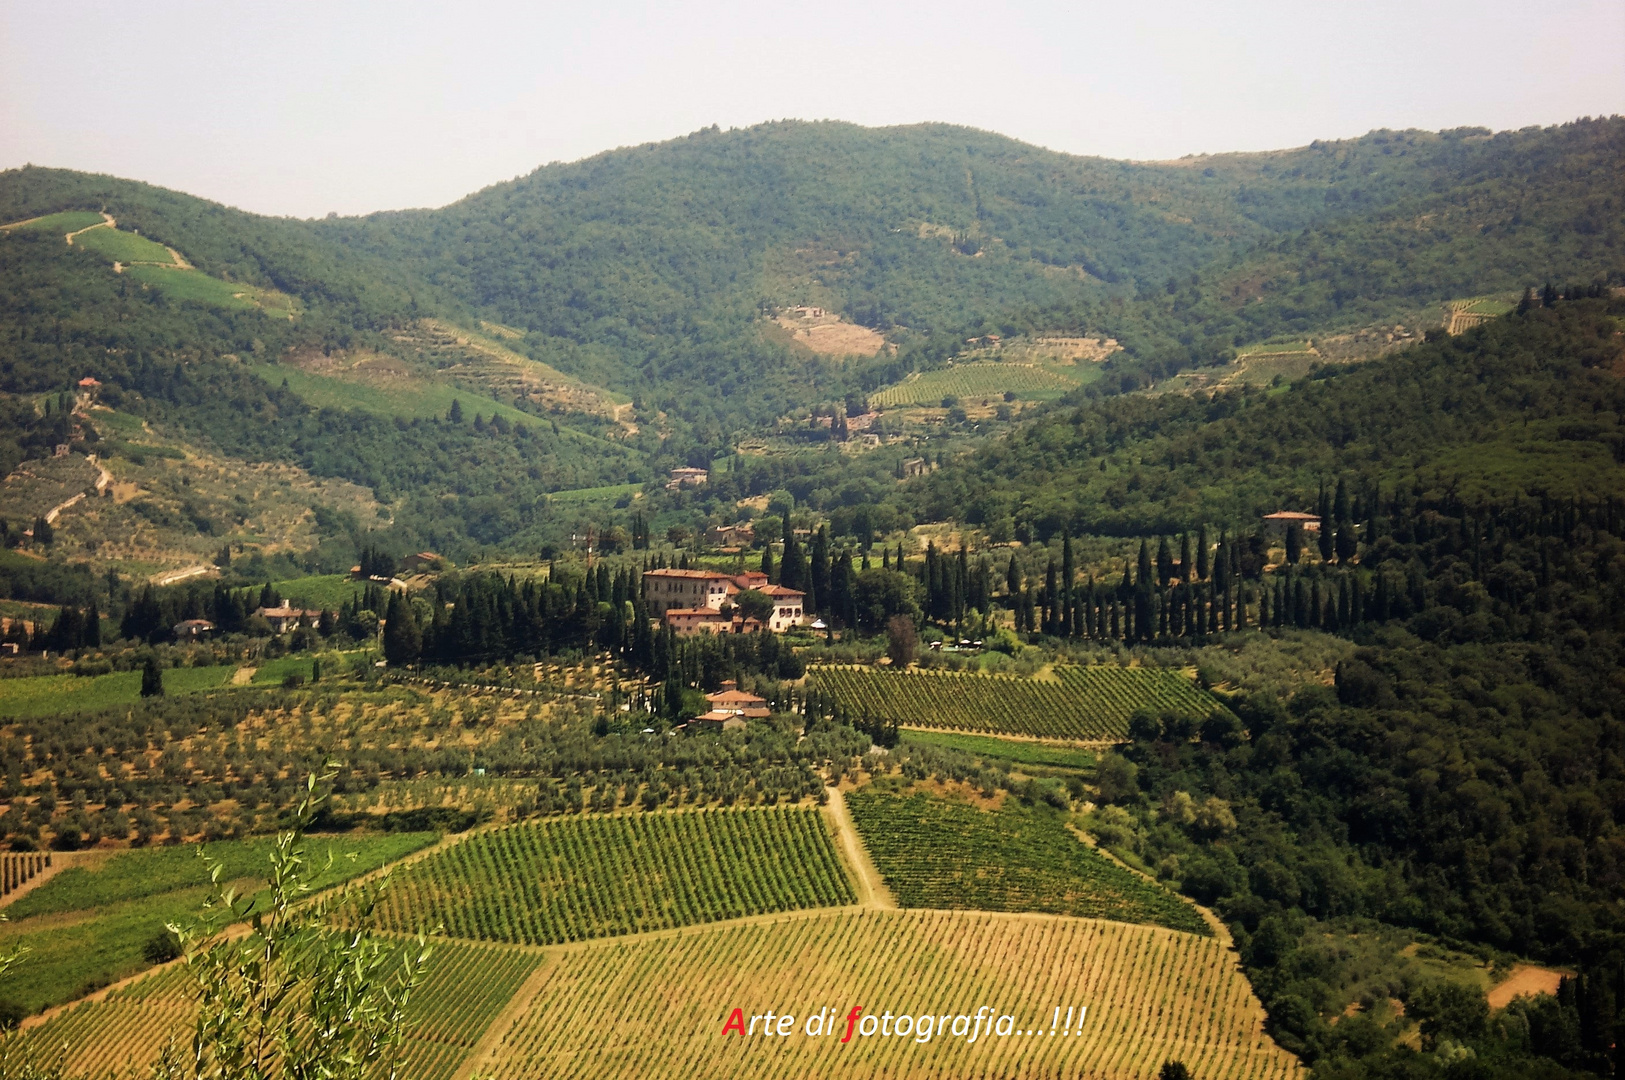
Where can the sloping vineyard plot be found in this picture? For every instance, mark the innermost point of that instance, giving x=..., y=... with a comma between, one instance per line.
x=1092, y=703
x=655, y=1008
x=123, y=1034
x=466, y=987
x=569, y=879
x=935, y=853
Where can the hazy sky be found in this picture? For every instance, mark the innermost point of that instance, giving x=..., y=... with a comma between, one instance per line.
x=305, y=108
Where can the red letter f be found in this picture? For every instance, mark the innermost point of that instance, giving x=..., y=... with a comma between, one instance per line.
x=851, y=1022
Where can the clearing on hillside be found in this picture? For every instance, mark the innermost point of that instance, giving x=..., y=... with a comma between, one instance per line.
x=1088, y=703
x=574, y=878
x=656, y=1007
x=827, y=334
x=982, y=379
x=941, y=853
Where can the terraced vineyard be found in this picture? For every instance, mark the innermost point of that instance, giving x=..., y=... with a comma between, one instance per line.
x=569, y=879
x=655, y=1008
x=936, y=853
x=1090, y=703
x=465, y=988
x=972, y=381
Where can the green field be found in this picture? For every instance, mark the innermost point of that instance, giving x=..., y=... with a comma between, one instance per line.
x=595, y=494
x=180, y=284
x=569, y=879
x=46, y=695
x=272, y=672
x=124, y=247
x=87, y=927
x=1088, y=703
x=982, y=379
x=936, y=853
x=66, y=222
x=328, y=592
x=412, y=398
x=1017, y=752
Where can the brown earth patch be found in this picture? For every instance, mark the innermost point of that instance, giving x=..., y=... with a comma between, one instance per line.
x=1526, y=979
x=828, y=335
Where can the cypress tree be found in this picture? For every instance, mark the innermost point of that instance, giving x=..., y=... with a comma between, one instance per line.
x=767, y=564
x=1201, y=554
x=403, y=640
x=1068, y=571
x=1165, y=562
x=152, y=680
x=1012, y=576
x=1185, y=556
x=1143, y=565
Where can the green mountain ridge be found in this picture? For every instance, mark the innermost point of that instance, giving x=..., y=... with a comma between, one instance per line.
x=644, y=273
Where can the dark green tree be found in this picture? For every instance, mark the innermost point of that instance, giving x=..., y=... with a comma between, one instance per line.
x=152, y=679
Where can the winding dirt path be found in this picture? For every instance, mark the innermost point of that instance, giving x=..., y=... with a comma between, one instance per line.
x=872, y=891
x=107, y=222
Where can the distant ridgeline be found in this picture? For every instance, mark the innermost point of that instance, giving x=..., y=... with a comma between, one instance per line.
x=593, y=270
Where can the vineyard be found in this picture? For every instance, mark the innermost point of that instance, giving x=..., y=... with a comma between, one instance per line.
x=1091, y=703
x=935, y=853
x=120, y=1035
x=656, y=1008
x=466, y=986
x=569, y=879
x=1038, y=755
x=971, y=381
x=18, y=869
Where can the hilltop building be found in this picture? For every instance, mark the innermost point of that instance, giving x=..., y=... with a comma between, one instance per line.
x=691, y=601
x=1277, y=522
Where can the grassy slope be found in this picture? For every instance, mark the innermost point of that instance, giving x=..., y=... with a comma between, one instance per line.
x=46, y=695
x=87, y=927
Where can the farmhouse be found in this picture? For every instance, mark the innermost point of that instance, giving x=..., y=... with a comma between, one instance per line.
x=285, y=618
x=192, y=629
x=687, y=477
x=736, y=702
x=730, y=708
x=730, y=535
x=422, y=561
x=915, y=467
x=1281, y=519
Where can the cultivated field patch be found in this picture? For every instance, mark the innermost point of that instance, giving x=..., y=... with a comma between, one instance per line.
x=942, y=853
x=655, y=1008
x=1086, y=703
x=575, y=878
x=974, y=381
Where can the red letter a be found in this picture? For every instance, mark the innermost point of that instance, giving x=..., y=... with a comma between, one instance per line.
x=736, y=1022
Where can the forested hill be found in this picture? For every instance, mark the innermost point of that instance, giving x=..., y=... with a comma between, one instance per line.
x=647, y=269
x=1528, y=404
x=935, y=227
